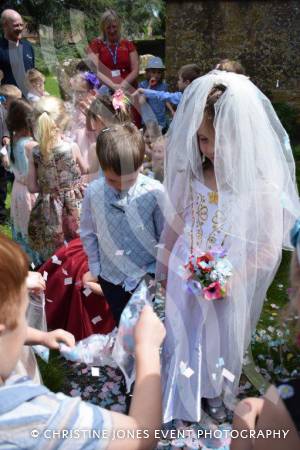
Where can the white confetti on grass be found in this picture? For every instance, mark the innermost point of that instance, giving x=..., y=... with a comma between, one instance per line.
x=95, y=371
x=228, y=375
x=68, y=281
x=274, y=306
x=185, y=370
x=96, y=319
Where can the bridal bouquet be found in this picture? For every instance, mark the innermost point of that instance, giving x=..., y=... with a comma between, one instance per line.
x=208, y=273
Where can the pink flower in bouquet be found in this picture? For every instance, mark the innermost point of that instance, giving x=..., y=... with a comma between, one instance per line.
x=119, y=100
x=203, y=262
x=213, y=292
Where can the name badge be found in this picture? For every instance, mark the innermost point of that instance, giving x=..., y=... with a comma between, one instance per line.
x=115, y=73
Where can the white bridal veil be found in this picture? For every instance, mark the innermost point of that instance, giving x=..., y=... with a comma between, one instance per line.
x=255, y=176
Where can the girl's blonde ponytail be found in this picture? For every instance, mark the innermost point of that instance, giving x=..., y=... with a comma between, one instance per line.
x=50, y=119
x=46, y=133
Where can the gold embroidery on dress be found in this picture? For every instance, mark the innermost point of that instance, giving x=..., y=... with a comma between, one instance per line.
x=213, y=197
x=218, y=220
x=200, y=208
x=201, y=218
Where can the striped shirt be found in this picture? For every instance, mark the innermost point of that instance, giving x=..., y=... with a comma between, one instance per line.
x=32, y=417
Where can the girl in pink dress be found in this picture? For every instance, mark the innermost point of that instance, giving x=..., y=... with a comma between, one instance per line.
x=22, y=201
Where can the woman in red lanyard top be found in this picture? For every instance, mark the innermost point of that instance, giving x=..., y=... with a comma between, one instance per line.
x=117, y=59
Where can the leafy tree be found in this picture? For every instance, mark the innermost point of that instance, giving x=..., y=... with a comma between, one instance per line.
x=137, y=15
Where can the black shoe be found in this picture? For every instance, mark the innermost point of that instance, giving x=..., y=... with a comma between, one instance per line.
x=215, y=408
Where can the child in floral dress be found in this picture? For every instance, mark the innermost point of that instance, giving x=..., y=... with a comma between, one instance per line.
x=55, y=168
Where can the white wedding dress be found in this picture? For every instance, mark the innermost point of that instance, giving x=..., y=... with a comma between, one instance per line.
x=195, y=345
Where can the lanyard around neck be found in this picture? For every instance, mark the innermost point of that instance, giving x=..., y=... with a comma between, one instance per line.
x=114, y=54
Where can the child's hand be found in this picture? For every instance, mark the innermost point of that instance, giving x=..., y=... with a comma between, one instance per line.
x=92, y=282
x=149, y=330
x=35, y=282
x=85, y=104
x=138, y=91
x=87, y=277
x=52, y=339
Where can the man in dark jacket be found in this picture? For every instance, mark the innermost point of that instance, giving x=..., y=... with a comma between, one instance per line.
x=16, y=54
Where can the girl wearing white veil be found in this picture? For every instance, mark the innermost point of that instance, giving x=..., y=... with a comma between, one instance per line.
x=231, y=182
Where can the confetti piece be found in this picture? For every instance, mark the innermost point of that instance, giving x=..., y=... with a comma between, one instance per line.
x=87, y=291
x=49, y=300
x=74, y=393
x=32, y=266
x=64, y=272
x=95, y=371
x=119, y=253
x=68, y=281
x=85, y=370
x=214, y=376
x=159, y=246
x=55, y=260
x=286, y=391
x=220, y=362
x=227, y=374
x=66, y=244
x=128, y=252
x=185, y=371
x=271, y=329
x=96, y=319
x=45, y=275
x=274, y=306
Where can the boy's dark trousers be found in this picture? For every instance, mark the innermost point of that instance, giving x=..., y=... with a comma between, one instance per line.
x=117, y=297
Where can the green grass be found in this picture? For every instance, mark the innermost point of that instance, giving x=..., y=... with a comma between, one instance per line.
x=51, y=86
x=5, y=229
x=54, y=374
